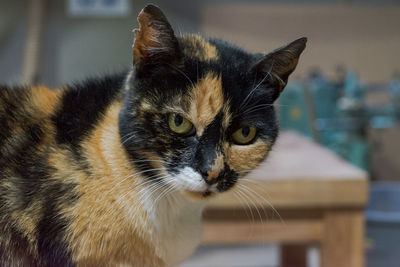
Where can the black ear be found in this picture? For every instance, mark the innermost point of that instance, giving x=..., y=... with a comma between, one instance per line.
x=275, y=67
x=155, y=41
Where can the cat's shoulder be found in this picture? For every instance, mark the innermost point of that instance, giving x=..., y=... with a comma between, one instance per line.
x=83, y=103
x=95, y=85
x=91, y=91
x=21, y=102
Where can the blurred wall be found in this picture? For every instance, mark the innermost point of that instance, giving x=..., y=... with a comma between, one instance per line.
x=74, y=48
x=364, y=37
x=12, y=30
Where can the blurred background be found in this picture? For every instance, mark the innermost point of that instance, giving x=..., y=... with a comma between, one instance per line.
x=344, y=95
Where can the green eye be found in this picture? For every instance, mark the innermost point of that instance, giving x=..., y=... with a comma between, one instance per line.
x=179, y=124
x=244, y=135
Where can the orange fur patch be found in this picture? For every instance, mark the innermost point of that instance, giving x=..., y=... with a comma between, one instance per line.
x=216, y=168
x=44, y=99
x=207, y=100
x=197, y=47
x=227, y=116
x=246, y=157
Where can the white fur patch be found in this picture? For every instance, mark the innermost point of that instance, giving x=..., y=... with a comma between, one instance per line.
x=127, y=81
x=175, y=219
x=189, y=179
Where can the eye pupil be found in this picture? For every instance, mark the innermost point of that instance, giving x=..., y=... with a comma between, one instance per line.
x=245, y=131
x=178, y=120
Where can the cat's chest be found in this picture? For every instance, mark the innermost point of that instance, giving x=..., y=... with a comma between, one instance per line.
x=177, y=227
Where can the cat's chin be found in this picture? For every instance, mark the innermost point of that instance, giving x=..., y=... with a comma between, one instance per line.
x=198, y=195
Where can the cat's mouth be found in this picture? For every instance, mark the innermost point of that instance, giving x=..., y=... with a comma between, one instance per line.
x=200, y=195
x=209, y=192
x=195, y=186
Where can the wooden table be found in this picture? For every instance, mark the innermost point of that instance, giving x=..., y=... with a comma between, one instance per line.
x=320, y=199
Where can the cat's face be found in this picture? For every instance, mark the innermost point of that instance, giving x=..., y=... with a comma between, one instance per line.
x=198, y=113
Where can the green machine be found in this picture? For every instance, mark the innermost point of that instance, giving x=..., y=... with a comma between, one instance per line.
x=337, y=114
x=293, y=109
x=331, y=113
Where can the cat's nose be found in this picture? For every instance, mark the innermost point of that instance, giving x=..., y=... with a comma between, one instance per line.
x=211, y=176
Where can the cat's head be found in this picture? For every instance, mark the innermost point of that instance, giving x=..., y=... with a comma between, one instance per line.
x=199, y=113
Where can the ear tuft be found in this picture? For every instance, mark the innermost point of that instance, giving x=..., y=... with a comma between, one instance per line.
x=280, y=63
x=155, y=40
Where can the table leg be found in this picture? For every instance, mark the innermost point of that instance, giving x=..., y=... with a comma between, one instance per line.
x=343, y=239
x=293, y=255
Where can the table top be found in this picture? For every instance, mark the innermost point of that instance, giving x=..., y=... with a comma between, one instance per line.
x=300, y=173
x=296, y=157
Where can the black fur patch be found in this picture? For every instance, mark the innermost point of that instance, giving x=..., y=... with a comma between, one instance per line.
x=17, y=252
x=52, y=246
x=82, y=106
x=208, y=146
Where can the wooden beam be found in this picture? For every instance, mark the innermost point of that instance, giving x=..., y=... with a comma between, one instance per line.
x=343, y=239
x=230, y=232
x=293, y=256
x=315, y=193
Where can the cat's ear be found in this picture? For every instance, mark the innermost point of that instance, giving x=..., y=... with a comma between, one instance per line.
x=275, y=67
x=155, y=41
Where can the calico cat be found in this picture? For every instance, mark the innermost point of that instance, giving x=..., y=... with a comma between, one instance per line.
x=114, y=171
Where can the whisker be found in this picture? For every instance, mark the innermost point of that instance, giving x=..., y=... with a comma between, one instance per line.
x=248, y=195
x=148, y=160
x=240, y=193
x=152, y=179
x=127, y=139
x=245, y=101
x=153, y=182
x=166, y=189
x=165, y=193
x=150, y=191
x=266, y=200
x=261, y=106
x=247, y=207
x=130, y=176
x=251, y=198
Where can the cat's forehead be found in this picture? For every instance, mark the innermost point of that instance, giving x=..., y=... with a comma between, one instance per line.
x=209, y=87
x=206, y=102
x=232, y=64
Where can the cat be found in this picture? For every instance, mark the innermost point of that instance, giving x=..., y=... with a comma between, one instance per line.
x=116, y=170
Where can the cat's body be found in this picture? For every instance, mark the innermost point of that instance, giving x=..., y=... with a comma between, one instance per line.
x=63, y=192
x=104, y=173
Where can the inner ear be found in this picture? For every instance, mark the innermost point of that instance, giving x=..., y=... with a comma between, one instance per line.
x=275, y=67
x=155, y=41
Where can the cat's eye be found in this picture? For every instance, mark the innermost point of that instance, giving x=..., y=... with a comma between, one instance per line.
x=180, y=124
x=244, y=135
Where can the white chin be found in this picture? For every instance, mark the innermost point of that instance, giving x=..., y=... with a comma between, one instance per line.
x=189, y=180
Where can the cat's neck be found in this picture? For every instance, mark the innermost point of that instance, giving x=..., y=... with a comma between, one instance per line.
x=176, y=220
